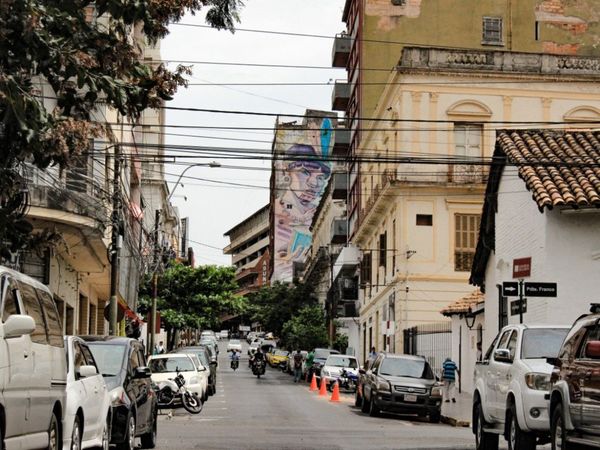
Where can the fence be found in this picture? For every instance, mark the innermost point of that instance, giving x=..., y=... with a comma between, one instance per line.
x=432, y=340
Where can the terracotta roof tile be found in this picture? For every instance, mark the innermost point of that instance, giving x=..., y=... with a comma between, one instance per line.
x=464, y=304
x=560, y=168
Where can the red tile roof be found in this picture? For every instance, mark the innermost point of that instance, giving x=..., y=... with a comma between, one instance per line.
x=464, y=305
x=565, y=169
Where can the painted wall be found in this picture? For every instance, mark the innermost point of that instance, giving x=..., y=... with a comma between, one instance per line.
x=300, y=178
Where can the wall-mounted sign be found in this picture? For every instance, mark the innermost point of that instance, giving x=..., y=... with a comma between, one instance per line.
x=522, y=267
x=514, y=307
x=510, y=289
x=540, y=289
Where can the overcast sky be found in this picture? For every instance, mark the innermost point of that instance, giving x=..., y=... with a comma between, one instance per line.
x=214, y=208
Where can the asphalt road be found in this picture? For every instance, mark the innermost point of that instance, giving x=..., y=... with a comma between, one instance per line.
x=274, y=413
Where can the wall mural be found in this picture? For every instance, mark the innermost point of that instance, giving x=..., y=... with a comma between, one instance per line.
x=300, y=179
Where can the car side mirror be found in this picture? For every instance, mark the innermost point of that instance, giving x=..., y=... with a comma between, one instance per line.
x=502, y=355
x=142, y=372
x=87, y=371
x=592, y=350
x=18, y=325
x=556, y=362
x=362, y=371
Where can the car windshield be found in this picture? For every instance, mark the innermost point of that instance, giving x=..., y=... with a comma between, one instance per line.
x=542, y=342
x=341, y=361
x=323, y=353
x=201, y=355
x=234, y=342
x=281, y=353
x=109, y=358
x=401, y=367
x=165, y=365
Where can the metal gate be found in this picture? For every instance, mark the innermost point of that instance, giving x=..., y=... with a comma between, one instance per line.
x=432, y=340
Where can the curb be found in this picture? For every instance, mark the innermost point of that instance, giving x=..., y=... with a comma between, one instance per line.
x=454, y=422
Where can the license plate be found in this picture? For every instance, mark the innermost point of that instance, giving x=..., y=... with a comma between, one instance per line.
x=410, y=398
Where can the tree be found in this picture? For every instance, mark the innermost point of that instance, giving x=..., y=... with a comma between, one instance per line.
x=306, y=330
x=84, y=62
x=274, y=305
x=192, y=297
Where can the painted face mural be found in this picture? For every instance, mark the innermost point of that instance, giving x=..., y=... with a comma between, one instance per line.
x=301, y=176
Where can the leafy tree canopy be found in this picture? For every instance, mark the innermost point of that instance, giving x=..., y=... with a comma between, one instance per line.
x=274, y=305
x=81, y=62
x=306, y=330
x=193, y=297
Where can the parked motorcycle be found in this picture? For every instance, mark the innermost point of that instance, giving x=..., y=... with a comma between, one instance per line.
x=258, y=368
x=173, y=391
x=235, y=363
x=347, y=381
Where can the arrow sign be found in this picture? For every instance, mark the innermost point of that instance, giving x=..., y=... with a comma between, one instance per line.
x=533, y=289
x=510, y=289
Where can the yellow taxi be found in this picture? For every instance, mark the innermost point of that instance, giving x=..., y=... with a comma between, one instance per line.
x=278, y=358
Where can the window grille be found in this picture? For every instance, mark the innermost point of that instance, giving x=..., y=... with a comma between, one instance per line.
x=465, y=243
x=492, y=31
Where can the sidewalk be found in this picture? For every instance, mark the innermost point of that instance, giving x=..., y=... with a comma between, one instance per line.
x=458, y=414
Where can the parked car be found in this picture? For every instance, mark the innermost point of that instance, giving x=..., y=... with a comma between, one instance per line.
x=321, y=355
x=212, y=343
x=254, y=345
x=32, y=389
x=207, y=333
x=266, y=345
x=575, y=392
x=278, y=357
x=224, y=334
x=88, y=412
x=204, y=355
x=402, y=384
x=234, y=344
x=333, y=365
x=511, y=387
x=361, y=379
x=165, y=367
x=122, y=363
x=213, y=355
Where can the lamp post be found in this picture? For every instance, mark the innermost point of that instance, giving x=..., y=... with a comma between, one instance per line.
x=210, y=164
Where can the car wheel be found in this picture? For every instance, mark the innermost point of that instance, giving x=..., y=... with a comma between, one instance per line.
x=483, y=439
x=373, y=409
x=364, y=407
x=149, y=439
x=129, y=442
x=435, y=417
x=517, y=438
x=106, y=434
x=558, y=433
x=76, y=434
x=54, y=434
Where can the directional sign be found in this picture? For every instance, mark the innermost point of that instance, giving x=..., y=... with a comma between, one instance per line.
x=510, y=289
x=533, y=289
x=514, y=307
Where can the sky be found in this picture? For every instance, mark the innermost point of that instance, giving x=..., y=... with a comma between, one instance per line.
x=208, y=197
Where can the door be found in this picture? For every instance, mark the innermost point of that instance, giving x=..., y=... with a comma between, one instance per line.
x=588, y=372
x=145, y=399
x=91, y=388
x=499, y=375
x=568, y=373
x=16, y=361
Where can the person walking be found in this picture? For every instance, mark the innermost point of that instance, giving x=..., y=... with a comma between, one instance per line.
x=372, y=353
x=449, y=369
x=298, y=359
x=159, y=349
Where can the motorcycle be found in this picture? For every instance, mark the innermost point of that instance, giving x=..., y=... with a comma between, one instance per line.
x=347, y=380
x=172, y=391
x=258, y=368
x=235, y=363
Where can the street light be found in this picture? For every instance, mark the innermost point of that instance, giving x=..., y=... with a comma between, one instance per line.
x=210, y=164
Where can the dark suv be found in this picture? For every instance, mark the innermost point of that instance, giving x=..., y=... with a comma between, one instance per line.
x=403, y=384
x=122, y=363
x=575, y=391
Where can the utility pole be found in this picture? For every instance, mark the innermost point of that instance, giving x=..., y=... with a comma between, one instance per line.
x=152, y=321
x=115, y=244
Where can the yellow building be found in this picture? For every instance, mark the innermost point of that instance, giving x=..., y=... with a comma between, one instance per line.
x=429, y=83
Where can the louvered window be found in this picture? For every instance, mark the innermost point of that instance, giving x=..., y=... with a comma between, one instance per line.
x=465, y=242
x=492, y=31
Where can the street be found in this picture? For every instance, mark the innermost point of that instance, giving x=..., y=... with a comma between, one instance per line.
x=274, y=413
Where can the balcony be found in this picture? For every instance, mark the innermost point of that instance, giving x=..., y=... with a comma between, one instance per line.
x=341, y=96
x=347, y=309
x=339, y=231
x=341, y=143
x=341, y=50
x=339, y=185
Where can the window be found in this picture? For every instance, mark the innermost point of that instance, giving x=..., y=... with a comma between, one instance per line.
x=134, y=361
x=382, y=249
x=365, y=269
x=78, y=359
x=11, y=305
x=55, y=334
x=33, y=309
x=466, y=233
x=424, y=220
x=492, y=31
x=468, y=149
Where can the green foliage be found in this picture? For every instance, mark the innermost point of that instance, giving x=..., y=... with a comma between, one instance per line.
x=306, y=330
x=194, y=297
x=84, y=62
x=274, y=305
x=341, y=343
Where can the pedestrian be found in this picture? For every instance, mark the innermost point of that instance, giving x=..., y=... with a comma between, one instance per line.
x=448, y=370
x=159, y=349
x=372, y=353
x=310, y=358
x=298, y=359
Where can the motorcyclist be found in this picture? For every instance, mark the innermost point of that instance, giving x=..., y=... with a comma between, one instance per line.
x=258, y=356
x=235, y=359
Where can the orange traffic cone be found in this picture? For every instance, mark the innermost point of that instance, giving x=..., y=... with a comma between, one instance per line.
x=335, y=396
x=313, y=383
x=323, y=387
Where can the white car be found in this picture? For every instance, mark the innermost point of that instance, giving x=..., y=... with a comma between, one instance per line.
x=254, y=345
x=87, y=417
x=165, y=367
x=234, y=344
x=333, y=365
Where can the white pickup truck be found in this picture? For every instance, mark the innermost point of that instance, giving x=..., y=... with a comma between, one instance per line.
x=511, y=386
